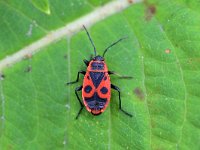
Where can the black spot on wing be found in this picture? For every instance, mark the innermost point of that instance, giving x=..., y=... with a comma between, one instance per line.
x=97, y=77
x=87, y=89
x=95, y=102
x=104, y=90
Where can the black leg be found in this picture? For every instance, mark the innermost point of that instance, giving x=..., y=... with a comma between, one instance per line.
x=121, y=76
x=120, y=104
x=81, y=104
x=86, y=62
x=82, y=72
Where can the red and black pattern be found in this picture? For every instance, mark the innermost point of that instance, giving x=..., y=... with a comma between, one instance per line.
x=96, y=88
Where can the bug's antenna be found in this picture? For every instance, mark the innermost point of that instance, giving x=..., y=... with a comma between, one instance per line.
x=113, y=45
x=95, y=52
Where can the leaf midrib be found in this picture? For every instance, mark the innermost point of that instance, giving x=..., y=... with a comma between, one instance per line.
x=68, y=30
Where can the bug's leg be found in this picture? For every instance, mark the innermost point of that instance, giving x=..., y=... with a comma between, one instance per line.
x=86, y=62
x=121, y=76
x=82, y=72
x=120, y=104
x=81, y=104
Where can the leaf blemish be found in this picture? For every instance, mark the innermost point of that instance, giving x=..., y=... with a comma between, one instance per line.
x=64, y=142
x=33, y=24
x=130, y=1
x=2, y=76
x=150, y=12
x=167, y=51
x=65, y=56
x=139, y=93
x=29, y=33
x=28, y=56
x=28, y=69
x=67, y=106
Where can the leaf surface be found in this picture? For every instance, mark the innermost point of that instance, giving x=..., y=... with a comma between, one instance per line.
x=162, y=54
x=42, y=5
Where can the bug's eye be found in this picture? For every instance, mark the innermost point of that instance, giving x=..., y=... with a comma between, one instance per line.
x=104, y=90
x=88, y=89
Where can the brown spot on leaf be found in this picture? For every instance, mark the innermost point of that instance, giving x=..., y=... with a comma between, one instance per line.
x=139, y=93
x=167, y=51
x=28, y=56
x=130, y=1
x=150, y=11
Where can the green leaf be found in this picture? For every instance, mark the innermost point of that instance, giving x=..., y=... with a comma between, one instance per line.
x=97, y=3
x=22, y=24
x=162, y=53
x=42, y=5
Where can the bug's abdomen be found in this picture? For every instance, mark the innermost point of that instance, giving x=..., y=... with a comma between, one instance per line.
x=96, y=91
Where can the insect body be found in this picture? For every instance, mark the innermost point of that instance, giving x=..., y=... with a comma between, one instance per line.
x=96, y=88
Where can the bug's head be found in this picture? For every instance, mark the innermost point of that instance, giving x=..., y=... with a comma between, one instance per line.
x=98, y=58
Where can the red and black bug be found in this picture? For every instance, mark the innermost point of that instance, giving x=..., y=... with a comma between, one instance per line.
x=96, y=88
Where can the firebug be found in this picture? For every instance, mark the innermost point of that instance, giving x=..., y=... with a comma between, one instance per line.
x=96, y=88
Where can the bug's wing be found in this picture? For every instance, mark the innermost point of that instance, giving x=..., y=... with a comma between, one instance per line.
x=104, y=87
x=104, y=91
x=88, y=86
x=97, y=97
